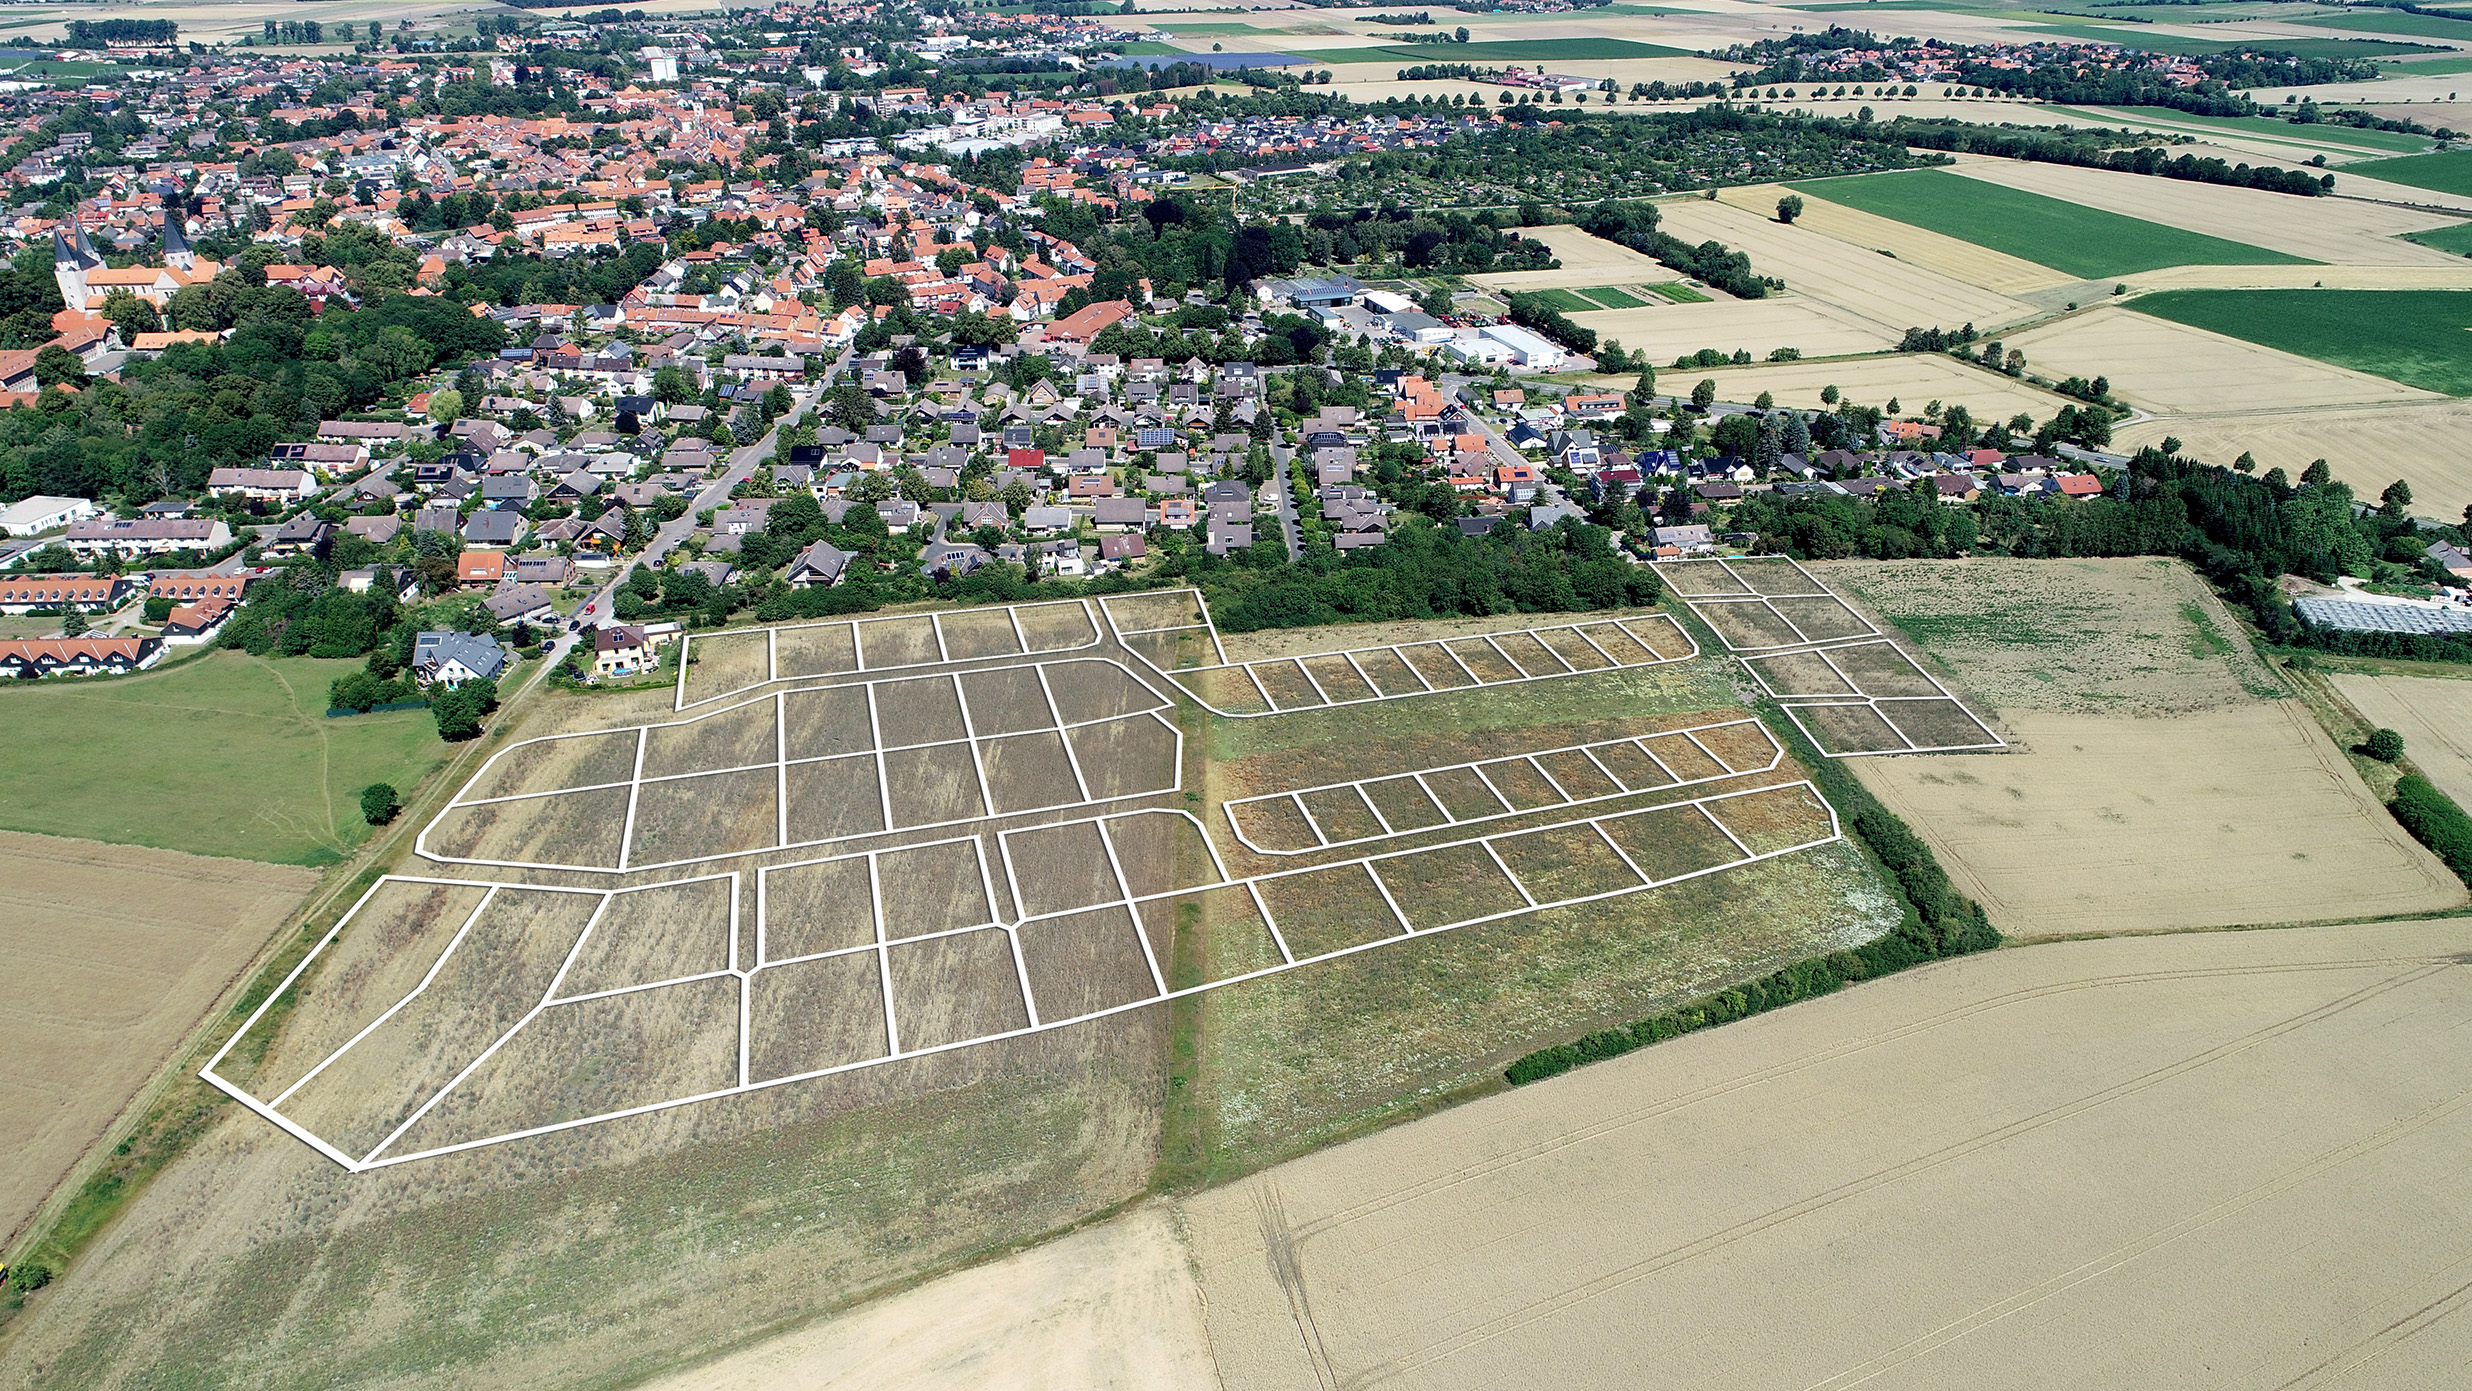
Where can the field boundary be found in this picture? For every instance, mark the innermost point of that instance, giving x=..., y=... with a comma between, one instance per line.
x=856, y=626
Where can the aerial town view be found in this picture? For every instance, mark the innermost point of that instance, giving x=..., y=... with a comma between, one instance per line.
x=1233, y=695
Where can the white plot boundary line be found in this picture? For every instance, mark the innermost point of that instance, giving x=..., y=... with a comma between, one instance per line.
x=1776, y=755
x=1132, y=904
x=858, y=650
x=1184, y=677
x=1750, y=594
x=1874, y=705
x=781, y=763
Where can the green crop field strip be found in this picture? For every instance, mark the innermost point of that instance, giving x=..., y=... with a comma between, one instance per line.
x=1504, y=51
x=2047, y=231
x=1143, y=48
x=1609, y=297
x=1564, y=301
x=2267, y=127
x=2417, y=337
x=2457, y=238
x=2449, y=172
x=2426, y=26
x=234, y=753
x=2141, y=36
x=1678, y=292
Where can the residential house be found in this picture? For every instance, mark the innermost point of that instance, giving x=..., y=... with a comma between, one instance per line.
x=820, y=565
x=453, y=658
x=20, y=594
x=78, y=656
x=146, y=537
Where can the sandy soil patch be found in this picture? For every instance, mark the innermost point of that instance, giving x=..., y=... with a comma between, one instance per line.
x=2334, y=230
x=2420, y=442
x=1667, y=331
x=1113, y=1306
x=1958, y=260
x=1913, y=380
x=1885, y=290
x=115, y=952
x=2165, y=366
x=2434, y=716
x=2111, y=824
x=2106, y=1137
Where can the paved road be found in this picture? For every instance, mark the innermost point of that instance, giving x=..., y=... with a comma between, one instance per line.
x=1284, y=504
x=742, y=466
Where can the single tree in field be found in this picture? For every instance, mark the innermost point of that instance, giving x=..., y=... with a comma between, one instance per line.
x=2384, y=745
x=1788, y=208
x=2316, y=473
x=2246, y=463
x=1828, y=395
x=379, y=803
x=1704, y=394
x=2398, y=496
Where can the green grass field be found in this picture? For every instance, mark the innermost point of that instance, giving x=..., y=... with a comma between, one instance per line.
x=2417, y=337
x=1143, y=48
x=2367, y=21
x=2047, y=231
x=1204, y=27
x=2449, y=172
x=1678, y=292
x=2457, y=238
x=1608, y=297
x=1564, y=301
x=2460, y=62
x=1504, y=51
x=2143, y=37
x=2269, y=127
x=225, y=754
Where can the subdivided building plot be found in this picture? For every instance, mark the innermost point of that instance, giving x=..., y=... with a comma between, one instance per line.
x=1850, y=689
x=836, y=870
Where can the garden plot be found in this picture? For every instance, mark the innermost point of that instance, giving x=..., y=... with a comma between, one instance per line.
x=807, y=767
x=1368, y=809
x=1869, y=698
x=1280, y=685
x=551, y=1009
x=728, y=664
x=1765, y=604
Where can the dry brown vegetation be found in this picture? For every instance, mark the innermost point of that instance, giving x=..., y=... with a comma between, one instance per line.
x=116, y=952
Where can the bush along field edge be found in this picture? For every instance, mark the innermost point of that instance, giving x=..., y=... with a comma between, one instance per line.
x=1935, y=921
x=2435, y=821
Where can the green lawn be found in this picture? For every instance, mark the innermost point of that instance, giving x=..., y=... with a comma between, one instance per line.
x=2449, y=172
x=2457, y=238
x=2073, y=240
x=2417, y=337
x=1611, y=298
x=2269, y=127
x=1504, y=51
x=226, y=754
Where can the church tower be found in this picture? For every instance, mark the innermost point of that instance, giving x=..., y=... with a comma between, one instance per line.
x=69, y=267
x=176, y=252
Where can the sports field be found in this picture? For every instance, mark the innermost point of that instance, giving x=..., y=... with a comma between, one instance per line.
x=2448, y=171
x=2080, y=241
x=237, y=756
x=2417, y=337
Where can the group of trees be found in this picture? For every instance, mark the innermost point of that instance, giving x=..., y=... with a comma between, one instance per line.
x=1634, y=224
x=93, y=33
x=2090, y=151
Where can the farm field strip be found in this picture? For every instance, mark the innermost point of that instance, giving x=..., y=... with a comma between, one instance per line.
x=857, y=630
x=1835, y=744
x=1530, y=863
x=1592, y=753
x=983, y=725
x=1449, y=659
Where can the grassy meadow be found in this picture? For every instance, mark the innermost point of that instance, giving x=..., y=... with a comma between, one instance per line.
x=223, y=754
x=2446, y=172
x=2073, y=240
x=2417, y=337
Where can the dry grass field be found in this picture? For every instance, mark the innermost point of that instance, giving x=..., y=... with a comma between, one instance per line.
x=1912, y=380
x=1667, y=331
x=2173, y=368
x=1889, y=291
x=2340, y=231
x=2367, y=447
x=2164, y=779
x=1957, y=260
x=1586, y=260
x=2433, y=715
x=116, y=952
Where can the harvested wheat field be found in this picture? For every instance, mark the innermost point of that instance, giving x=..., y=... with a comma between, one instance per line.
x=2339, y=231
x=115, y=952
x=1586, y=260
x=1913, y=380
x=1667, y=331
x=1890, y=292
x=2165, y=779
x=1114, y=1307
x=1962, y=261
x=2420, y=443
x=2457, y=276
x=2434, y=716
x=2036, y=1167
x=2164, y=366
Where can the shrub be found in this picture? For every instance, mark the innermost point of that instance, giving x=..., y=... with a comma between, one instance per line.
x=2385, y=745
x=29, y=1276
x=379, y=803
x=2435, y=821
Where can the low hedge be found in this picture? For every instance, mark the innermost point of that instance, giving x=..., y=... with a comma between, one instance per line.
x=1937, y=922
x=2435, y=821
